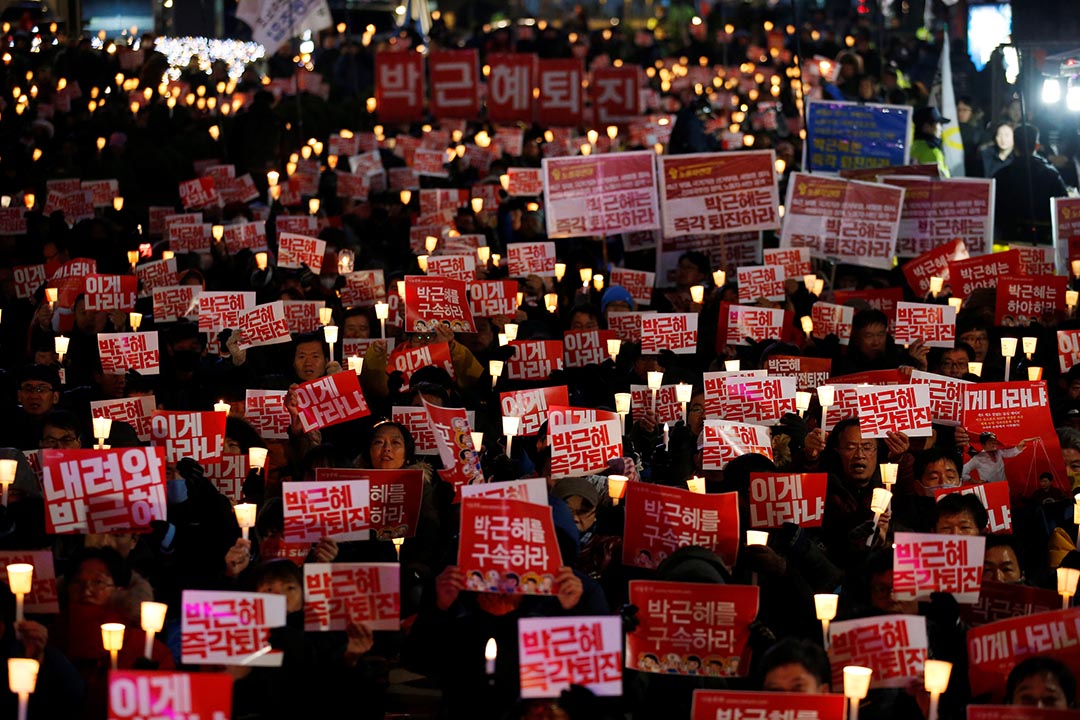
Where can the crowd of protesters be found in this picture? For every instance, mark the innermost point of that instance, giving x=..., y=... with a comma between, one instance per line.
x=46, y=402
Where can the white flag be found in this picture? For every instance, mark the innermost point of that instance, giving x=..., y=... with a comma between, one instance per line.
x=952, y=143
x=275, y=21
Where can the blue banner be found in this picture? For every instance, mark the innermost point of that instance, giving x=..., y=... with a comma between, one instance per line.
x=850, y=136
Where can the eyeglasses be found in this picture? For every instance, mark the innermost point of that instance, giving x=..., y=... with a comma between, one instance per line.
x=94, y=585
x=866, y=448
x=36, y=389
x=65, y=441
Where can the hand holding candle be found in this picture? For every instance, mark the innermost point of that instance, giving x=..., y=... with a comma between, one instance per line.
x=152, y=615
x=8, y=469
x=21, y=581
x=245, y=517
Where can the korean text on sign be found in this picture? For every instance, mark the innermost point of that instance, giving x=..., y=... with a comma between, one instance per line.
x=337, y=594
x=893, y=646
x=230, y=628
x=925, y=563
x=508, y=546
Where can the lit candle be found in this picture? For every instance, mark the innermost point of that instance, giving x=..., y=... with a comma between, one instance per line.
x=719, y=278
x=936, y=284
x=326, y=315
x=975, y=368
x=102, y=430
x=167, y=254
x=732, y=365
x=135, y=320
x=614, y=345
x=825, y=394
x=655, y=379
x=1071, y=298
x=398, y=542
x=666, y=436
x=218, y=232
x=802, y=401
x=261, y=260
x=483, y=253
x=152, y=616
x=856, y=685
x=936, y=674
x=490, y=652
x=616, y=487
x=222, y=407
x=696, y=485
x=51, y=294
x=257, y=457
x=502, y=339
x=1008, y=350
x=1034, y=373
x=133, y=259
x=477, y=440
x=622, y=403
x=956, y=303
x=697, y=294
x=598, y=282
x=61, y=344
x=1030, y=343
x=683, y=393
x=560, y=270
x=400, y=289
x=495, y=367
x=21, y=581
x=382, y=312
x=825, y=605
x=22, y=679
x=112, y=637
x=405, y=196
x=1066, y=584
x=245, y=517
x=586, y=275
x=1075, y=268
x=511, y=331
x=330, y=332
x=551, y=302
x=819, y=286
x=888, y=474
x=356, y=363
x=430, y=243
x=807, y=323
x=477, y=204
x=879, y=503
x=808, y=280
x=757, y=537
x=511, y=425
x=8, y=469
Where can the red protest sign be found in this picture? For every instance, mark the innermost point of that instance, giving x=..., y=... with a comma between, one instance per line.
x=676, y=332
x=600, y=194
x=719, y=192
x=264, y=325
x=794, y=263
x=69, y=280
x=453, y=436
x=555, y=653
x=431, y=163
x=454, y=83
x=508, y=546
x=395, y=497
x=925, y=563
x=691, y=628
x=510, y=87
x=994, y=649
x=981, y=271
x=532, y=406
x=898, y=408
x=434, y=301
x=111, y=292
x=776, y=499
x=121, y=352
x=760, y=281
x=625, y=325
x=615, y=94
x=1023, y=300
x=560, y=101
x=416, y=420
x=848, y=221
x=667, y=407
x=198, y=193
x=1001, y=601
x=196, y=435
x=43, y=597
x=809, y=373
x=96, y=491
x=135, y=411
x=493, y=298
x=337, y=509
x=230, y=628
x=137, y=694
x=399, y=86
x=893, y=646
x=296, y=224
x=994, y=497
x=586, y=347
x=27, y=279
x=532, y=490
x=739, y=322
x=537, y=258
x=265, y=411
x=584, y=448
x=296, y=251
x=935, y=325
x=12, y=221
x=941, y=211
x=330, y=400
x=534, y=359
x=525, y=182
x=228, y=475
x=638, y=282
x=407, y=360
x=337, y=594
x=724, y=441
x=152, y=275
x=175, y=302
x=1014, y=412
x=363, y=287
x=757, y=400
x=660, y=520
x=714, y=704
x=1068, y=343
x=933, y=263
x=221, y=310
x=74, y=206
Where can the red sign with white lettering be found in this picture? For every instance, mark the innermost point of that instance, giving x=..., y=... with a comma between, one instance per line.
x=330, y=400
x=508, y=546
x=399, y=86
x=660, y=520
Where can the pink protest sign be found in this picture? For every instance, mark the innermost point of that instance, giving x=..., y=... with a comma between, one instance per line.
x=925, y=563
x=339, y=510
x=220, y=627
x=337, y=594
x=555, y=653
x=893, y=646
x=137, y=351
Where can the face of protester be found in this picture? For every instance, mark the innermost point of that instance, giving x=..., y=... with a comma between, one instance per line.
x=357, y=327
x=1003, y=138
x=939, y=474
x=881, y=598
x=37, y=397
x=957, y=524
x=963, y=112
x=53, y=437
x=584, y=512
x=954, y=363
x=583, y=321
x=290, y=588
x=309, y=361
x=793, y=677
x=1000, y=564
x=387, y=450
x=695, y=414
x=979, y=342
x=687, y=274
x=1040, y=690
x=92, y=584
x=870, y=340
x=1072, y=462
x=89, y=321
x=858, y=457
